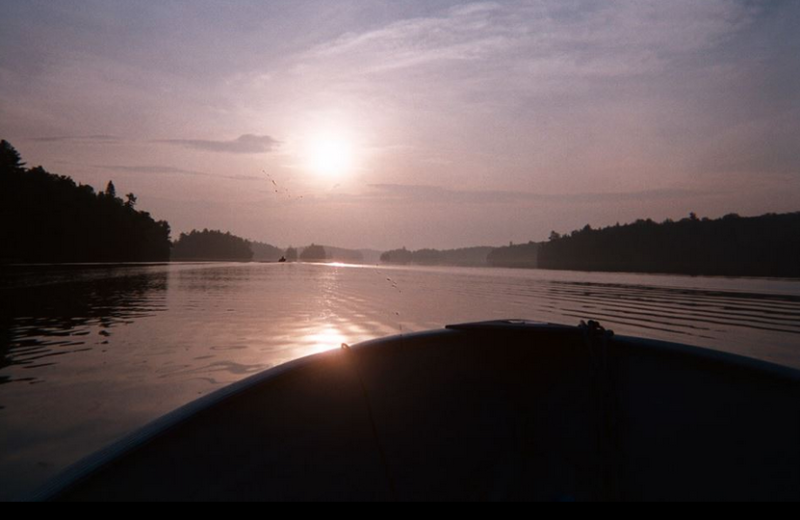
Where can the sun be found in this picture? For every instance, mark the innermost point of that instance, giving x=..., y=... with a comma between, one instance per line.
x=330, y=156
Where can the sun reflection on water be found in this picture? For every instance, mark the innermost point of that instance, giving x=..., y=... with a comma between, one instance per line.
x=323, y=339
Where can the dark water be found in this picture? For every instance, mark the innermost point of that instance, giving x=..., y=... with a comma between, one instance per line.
x=89, y=354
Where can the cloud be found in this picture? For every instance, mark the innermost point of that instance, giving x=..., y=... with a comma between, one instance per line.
x=409, y=194
x=548, y=39
x=87, y=139
x=462, y=34
x=246, y=144
x=168, y=170
x=151, y=170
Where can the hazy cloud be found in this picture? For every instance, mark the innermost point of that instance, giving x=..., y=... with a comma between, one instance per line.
x=439, y=195
x=565, y=111
x=167, y=170
x=151, y=170
x=246, y=144
x=544, y=39
x=89, y=139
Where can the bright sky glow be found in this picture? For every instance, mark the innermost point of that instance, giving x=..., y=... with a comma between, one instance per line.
x=418, y=123
x=331, y=157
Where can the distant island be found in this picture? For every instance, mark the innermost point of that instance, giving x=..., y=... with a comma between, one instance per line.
x=314, y=253
x=211, y=246
x=47, y=218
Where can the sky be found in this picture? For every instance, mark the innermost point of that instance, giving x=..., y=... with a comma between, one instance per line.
x=417, y=123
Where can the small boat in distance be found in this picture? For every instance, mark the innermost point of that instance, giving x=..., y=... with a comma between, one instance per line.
x=500, y=411
x=282, y=260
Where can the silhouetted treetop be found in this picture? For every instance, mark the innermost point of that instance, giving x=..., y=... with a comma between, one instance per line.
x=10, y=159
x=131, y=201
x=111, y=190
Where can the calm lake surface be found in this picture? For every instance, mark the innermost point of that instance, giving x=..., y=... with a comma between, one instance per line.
x=88, y=354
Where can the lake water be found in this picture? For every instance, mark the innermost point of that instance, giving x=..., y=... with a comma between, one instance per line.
x=88, y=354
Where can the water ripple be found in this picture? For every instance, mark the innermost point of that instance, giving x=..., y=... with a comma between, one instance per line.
x=87, y=354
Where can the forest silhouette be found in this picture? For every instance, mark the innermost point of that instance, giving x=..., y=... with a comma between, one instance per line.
x=47, y=218
x=765, y=246
x=731, y=246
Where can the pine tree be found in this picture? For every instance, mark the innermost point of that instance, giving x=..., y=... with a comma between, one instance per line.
x=10, y=159
x=111, y=190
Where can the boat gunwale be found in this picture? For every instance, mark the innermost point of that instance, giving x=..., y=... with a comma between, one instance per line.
x=85, y=468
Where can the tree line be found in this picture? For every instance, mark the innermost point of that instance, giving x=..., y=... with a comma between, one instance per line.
x=524, y=256
x=765, y=246
x=467, y=257
x=48, y=218
x=513, y=256
x=731, y=246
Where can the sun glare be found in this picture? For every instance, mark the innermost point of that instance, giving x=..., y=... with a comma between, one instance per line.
x=330, y=157
x=327, y=338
